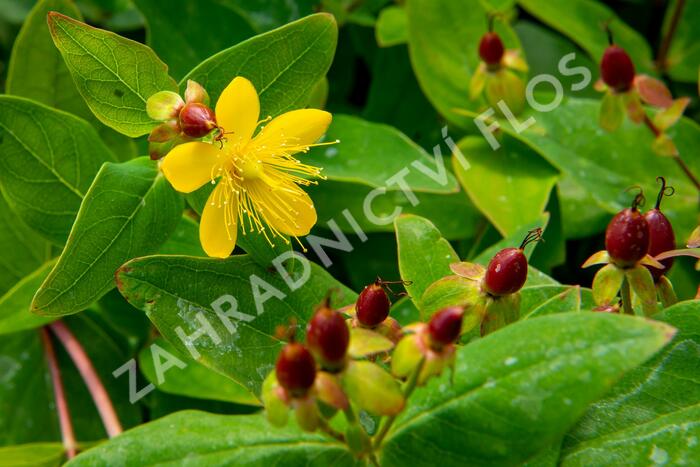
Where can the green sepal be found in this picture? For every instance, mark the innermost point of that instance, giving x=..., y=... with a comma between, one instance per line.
x=642, y=284
x=600, y=257
x=663, y=145
x=365, y=342
x=306, y=412
x=666, y=118
x=454, y=291
x=406, y=356
x=164, y=105
x=276, y=409
x=373, y=389
x=195, y=93
x=612, y=111
x=357, y=439
x=329, y=392
x=500, y=312
x=633, y=107
x=664, y=289
x=506, y=86
x=476, y=85
x=606, y=284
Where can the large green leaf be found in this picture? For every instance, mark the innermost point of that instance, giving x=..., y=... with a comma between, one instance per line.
x=684, y=54
x=192, y=380
x=652, y=415
x=378, y=155
x=391, y=26
x=175, y=290
x=518, y=390
x=49, y=159
x=23, y=249
x=264, y=15
x=184, y=33
x=208, y=440
x=509, y=198
x=130, y=210
x=581, y=20
x=443, y=40
x=33, y=455
x=115, y=76
x=37, y=71
x=424, y=256
x=15, y=314
x=284, y=64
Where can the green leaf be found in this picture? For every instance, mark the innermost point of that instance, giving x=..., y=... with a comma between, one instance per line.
x=194, y=380
x=684, y=53
x=130, y=210
x=32, y=455
x=49, y=160
x=207, y=440
x=584, y=28
x=264, y=15
x=23, y=249
x=392, y=28
x=378, y=155
x=512, y=198
x=549, y=299
x=518, y=390
x=196, y=286
x=184, y=241
x=284, y=64
x=514, y=239
x=15, y=305
x=651, y=416
x=37, y=71
x=424, y=256
x=115, y=76
x=454, y=291
x=444, y=65
x=210, y=27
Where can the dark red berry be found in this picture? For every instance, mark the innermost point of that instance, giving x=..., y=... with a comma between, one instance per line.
x=617, y=69
x=295, y=369
x=328, y=336
x=506, y=272
x=491, y=48
x=197, y=120
x=627, y=237
x=372, y=305
x=445, y=326
x=661, y=237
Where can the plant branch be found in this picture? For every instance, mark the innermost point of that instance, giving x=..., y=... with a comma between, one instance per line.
x=626, y=297
x=681, y=163
x=67, y=434
x=92, y=380
x=407, y=391
x=665, y=46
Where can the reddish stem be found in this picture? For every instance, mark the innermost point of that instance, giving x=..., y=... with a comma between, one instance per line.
x=92, y=380
x=681, y=163
x=67, y=434
x=666, y=42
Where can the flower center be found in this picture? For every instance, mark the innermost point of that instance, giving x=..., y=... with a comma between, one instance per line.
x=249, y=168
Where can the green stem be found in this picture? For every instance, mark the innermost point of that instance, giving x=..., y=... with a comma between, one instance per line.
x=626, y=297
x=661, y=58
x=407, y=391
x=326, y=428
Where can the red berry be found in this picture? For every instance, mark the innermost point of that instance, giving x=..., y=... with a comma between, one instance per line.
x=491, y=48
x=627, y=237
x=661, y=238
x=197, y=120
x=295, y=369
x=328, y=336
x=372, y=305
x=617, y=69
x=445, y=326
x=506, y=272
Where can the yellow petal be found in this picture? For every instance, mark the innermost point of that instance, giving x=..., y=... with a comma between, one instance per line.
x=189, y=166
x=238, y=110
x=286, y=207
x=218, y=227
x=295, y=130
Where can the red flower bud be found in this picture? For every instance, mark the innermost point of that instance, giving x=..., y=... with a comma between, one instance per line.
x=507, y=270
x=295, y=369
x=197, y=120
x=372, y=305
x=627, y=236
x=491, y=48
x=445, y=326
x=617, y=69
x=661, y=236
x=328, y=336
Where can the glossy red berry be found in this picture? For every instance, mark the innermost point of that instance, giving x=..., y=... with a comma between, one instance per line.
x=372, y=305
x=506, y=272
x=627, y=237
x=661, y=236
x=295, y=369
x=197, y=120
x=445, y=326
x=617, y=69
x=491, y=48
x=328, y=336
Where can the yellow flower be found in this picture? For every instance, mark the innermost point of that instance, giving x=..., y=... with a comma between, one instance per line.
x=258, y=177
